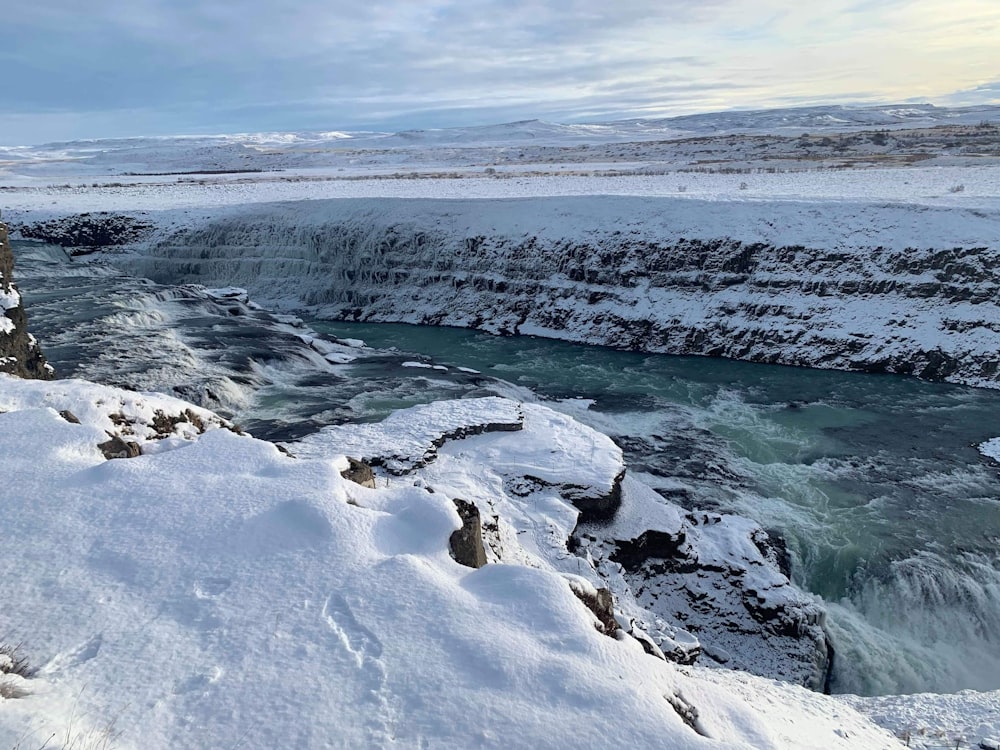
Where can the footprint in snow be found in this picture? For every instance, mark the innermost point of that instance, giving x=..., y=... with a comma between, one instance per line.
x=364, y=648
x=76, y=656
x=356, y=638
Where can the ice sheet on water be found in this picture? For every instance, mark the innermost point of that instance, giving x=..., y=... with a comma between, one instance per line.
x=991, y=449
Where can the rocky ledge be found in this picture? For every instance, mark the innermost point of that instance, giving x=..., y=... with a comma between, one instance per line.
x=20, y=354
x=543, y=490
x=86, y=232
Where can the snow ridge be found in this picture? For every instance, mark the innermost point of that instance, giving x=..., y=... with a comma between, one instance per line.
x=248, y=597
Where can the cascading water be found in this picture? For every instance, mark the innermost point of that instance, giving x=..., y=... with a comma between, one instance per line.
x=889, y=512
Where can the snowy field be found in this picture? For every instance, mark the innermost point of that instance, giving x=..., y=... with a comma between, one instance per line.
x=912, y=154
x=914, y=185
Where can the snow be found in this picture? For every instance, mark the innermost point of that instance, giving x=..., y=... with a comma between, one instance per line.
x=964, y=719
x=110, y=411
x=9, y=298
x=249, y=598
x=991, y=449
x=915, y=186
x=214, y=592
x=408, y=439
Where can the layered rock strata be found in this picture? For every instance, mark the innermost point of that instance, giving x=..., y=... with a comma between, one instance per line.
x=878, y=288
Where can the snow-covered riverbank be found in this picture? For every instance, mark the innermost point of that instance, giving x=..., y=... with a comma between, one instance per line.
x=250, y=597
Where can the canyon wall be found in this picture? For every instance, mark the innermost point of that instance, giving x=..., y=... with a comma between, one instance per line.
x=19, y=352
x=894, y=288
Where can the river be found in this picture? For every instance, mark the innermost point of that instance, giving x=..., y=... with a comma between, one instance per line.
x=890, y=513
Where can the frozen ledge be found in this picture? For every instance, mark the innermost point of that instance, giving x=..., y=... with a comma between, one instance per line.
x=408, y=440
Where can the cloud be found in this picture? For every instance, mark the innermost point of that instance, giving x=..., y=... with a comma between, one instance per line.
x=986, y=93
x=196, y=66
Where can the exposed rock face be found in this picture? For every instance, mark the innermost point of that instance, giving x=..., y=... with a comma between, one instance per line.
x=88, y=231
x=19, y=352
x=358, y=472
x=708, y=585
x=599, y=601
x=466, y=543
x=878, y=288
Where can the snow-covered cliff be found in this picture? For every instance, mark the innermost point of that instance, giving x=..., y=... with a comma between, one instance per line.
x=19, y=351
x=213, y=589
x=861, y=286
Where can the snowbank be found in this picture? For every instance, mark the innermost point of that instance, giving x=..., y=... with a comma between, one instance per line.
x=226, y=594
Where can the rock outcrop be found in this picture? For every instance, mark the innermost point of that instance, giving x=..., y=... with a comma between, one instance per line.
x=466, y=543
x=535, y=487
x=20, y=354
x=87, y=232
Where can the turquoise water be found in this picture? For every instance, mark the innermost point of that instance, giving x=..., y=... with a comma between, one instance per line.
x=890, y=513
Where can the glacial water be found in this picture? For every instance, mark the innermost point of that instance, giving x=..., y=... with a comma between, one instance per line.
x=890, y=513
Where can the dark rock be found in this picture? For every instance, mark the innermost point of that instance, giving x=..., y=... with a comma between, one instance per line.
x=774, y=548
x=20, y=354
x=700, y=601
x=164, y=424
x=69, y=416
x=118, y=448
x=631, y=554
x=602, y=604
x=595, y=507
x=359, y=472
x=88, y=230
x=466, y=543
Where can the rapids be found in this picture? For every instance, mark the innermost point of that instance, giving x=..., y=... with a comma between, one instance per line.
x=889, y=512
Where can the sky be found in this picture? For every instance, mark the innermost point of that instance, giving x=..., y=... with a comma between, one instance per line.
x=109, y=68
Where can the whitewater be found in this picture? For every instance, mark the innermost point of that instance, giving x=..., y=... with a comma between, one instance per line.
x=874, y=481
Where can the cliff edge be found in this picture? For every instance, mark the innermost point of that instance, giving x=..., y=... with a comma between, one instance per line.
x=20, y=354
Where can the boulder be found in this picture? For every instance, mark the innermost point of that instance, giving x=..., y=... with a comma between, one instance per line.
x=118, y=448
x=358, y=472
x=466, y=543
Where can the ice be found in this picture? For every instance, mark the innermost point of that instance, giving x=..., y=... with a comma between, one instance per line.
x=991, y=449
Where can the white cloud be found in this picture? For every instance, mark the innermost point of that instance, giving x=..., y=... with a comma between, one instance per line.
x=208, y=64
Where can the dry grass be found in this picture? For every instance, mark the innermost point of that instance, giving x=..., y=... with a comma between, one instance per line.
x=14, y=661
